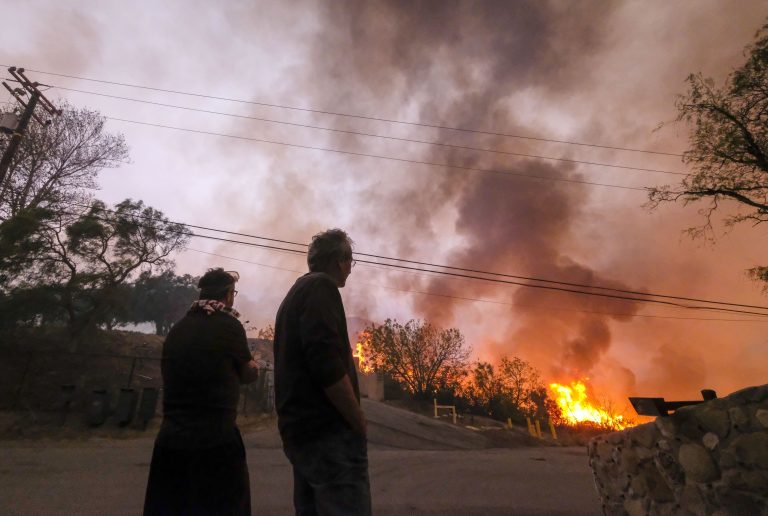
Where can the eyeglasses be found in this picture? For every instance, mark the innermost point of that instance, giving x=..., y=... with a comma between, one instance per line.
x=235, y=293
x=354, y=262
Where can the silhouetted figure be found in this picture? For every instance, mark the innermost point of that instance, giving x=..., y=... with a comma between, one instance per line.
x=198, y=463
x=318, y=400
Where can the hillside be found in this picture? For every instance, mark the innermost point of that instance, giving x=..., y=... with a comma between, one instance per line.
x=36, y=364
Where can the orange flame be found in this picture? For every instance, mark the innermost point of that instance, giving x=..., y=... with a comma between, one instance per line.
x=363, y=363
x=576, y=407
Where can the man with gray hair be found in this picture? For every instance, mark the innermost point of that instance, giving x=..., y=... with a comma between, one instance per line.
x=321, y=422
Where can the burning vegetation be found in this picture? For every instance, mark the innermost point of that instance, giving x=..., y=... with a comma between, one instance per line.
x=363, y=343
x=575, y=407
x=428, y=362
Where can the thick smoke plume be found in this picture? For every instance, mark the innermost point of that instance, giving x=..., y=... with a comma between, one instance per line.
x=589, y=71
x=460, y=65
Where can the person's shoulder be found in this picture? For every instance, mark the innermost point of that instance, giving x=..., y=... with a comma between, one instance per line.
x=309, y=282
x=182, y=329
x=219, y=319
x=182, y=323
x=227, y=319
x=306, y=287
x=313, y=280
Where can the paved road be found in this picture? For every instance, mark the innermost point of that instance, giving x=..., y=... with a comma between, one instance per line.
x=99, y=478
x=419, y=465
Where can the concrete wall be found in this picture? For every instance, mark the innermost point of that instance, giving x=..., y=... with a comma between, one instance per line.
x=706, y=459
x=371, y=385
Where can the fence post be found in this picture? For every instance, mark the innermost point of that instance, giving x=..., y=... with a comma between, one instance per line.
x=270, y=384
x=246, y=390
x=67, y=396
x=130, y=375
x=531, y=429
x=23, y=381
x=552, y=429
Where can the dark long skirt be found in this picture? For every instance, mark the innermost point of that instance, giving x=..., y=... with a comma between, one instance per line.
x=206, y=482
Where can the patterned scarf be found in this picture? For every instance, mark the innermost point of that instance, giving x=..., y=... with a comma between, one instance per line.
x=210, y=306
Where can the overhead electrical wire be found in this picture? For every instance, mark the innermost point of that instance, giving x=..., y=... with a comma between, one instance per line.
x=380, y=265
x=349, y=115
x=447, y=166
x=517, y=283
x=493, y=280
x=491, y=301
x=450, y=267
x=373, y=135
x=501, y=173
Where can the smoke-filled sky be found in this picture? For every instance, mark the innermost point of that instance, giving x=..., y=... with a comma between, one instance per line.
x=604, y=73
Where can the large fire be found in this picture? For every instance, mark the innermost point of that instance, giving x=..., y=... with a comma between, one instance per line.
x=572, y=399
x=577, y=408
x=360, y=346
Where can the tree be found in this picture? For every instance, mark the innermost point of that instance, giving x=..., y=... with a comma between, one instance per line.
x=30, y=306
x=512, y=388
x=162, y=299
x=519, y=379
x=89, y=254
x=486, y=385
x=728, y=145
x=484, y=391
x=418, y=355
x=265, y=333
x=543, y=407
x=56, y=164
x=20, y=244
x=118, y=306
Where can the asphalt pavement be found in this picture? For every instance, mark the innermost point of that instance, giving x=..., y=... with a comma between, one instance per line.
x=418, y=466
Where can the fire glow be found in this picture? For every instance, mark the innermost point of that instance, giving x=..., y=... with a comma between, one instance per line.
x=577, y=408
x=363, y=341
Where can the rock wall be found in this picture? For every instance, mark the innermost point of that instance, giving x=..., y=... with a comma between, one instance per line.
x=706, y=459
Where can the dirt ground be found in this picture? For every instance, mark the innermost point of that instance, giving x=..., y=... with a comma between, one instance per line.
x=418, y=465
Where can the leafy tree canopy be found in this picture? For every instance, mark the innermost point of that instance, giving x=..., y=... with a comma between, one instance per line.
x=418, y=355
x=511, y=388
x=89, y=254
x=162, y=299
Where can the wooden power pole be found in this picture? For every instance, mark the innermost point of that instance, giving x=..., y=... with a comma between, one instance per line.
x=26, y=87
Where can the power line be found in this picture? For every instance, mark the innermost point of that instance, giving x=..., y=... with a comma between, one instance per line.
x=471, y=299
x=373, y=135
x=454, y=268
x=349, y=115
x=460, y=269
x=371, y=263
x=502, y=173
x=492, y=280
x=500, y=274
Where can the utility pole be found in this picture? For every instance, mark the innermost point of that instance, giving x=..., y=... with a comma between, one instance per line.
x=36, y=97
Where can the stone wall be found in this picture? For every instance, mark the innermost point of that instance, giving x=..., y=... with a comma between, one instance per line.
x=706, y=459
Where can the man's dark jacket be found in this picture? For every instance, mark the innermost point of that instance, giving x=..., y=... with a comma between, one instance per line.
x=312, y=352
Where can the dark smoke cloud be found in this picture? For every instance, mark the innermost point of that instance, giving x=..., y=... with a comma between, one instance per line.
x=605, y=72
x=462, y=63
x=484, y=65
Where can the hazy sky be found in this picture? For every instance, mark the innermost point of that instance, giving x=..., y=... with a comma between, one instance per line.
x=598, y=72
